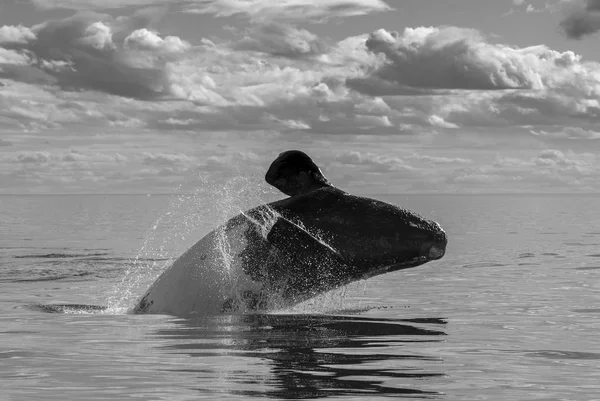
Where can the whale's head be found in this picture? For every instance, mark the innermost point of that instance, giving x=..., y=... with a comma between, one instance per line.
x=327, y=238
x=377, y=236
x=371, y=236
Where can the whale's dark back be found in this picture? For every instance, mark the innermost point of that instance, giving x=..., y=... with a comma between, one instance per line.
x=363, y=230
x=328, y=238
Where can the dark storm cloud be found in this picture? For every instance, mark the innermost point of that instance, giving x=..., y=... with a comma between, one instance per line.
x=582, y=21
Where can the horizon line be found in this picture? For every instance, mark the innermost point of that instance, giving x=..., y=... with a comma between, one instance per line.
x=361, y=193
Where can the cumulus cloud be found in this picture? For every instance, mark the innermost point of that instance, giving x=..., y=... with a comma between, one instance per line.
x=458, y=58
x=95, y=52
x=145, y=39
x=292, y=82
x=295, y=83
x=280, y=80
x=31, y=107
x=448, y=77
x=97, y=35
x=546, y=108
x=452, y=78
x=281, y=40
x=582, y=20
x=16, y=34
x=12, y=57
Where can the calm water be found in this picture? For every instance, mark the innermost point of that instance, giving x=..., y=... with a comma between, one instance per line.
x=511, y=313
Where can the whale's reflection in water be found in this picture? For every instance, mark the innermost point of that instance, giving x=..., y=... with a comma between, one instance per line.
x=309, y=356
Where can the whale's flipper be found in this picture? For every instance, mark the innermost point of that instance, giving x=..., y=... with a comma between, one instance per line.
x=311, y=263
x=295, y=173
x=303, y=265
x=292, y=264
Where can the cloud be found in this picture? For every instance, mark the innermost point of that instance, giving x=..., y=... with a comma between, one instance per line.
x=97, y=35
x=12, y=58
x=550, y=170
x=554, y=161
x=94, y=52
x=437, y=160
x=258, y=10
x=16, y=34
x=295, y=83
x=33, y=157
x=165, y=159
x=87, y=157
x=74, y=170
x=582, y=20
x=569, y=133
x=281, y=40
x=524, y=6
x=289, y=10
x=143, y=39
x=452, y=78
x=232, y=161
x=91, y=5
x=458, y=58
x=65, y=158
x=379, y=84
x=371, y=161
x=30, y=107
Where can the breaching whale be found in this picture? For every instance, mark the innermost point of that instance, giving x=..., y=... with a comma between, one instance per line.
x=287, y=251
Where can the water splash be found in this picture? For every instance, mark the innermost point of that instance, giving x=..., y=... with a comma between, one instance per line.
x=126, y=290
x=196, y=208
x=230, y=246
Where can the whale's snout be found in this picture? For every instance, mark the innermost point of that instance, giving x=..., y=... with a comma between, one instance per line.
x=435, y=247
x=436, y=251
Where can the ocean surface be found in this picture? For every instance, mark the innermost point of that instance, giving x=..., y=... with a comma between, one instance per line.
x=512, y=312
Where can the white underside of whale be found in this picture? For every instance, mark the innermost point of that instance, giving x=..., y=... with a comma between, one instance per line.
x=208, y=274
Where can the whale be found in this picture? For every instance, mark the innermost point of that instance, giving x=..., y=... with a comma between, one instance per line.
x=282, y=253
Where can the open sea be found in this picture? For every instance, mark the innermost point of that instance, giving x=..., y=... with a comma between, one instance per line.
x=512, y=312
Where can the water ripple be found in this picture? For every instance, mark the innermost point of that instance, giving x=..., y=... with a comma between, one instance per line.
x=313, y=355
x=558, y=354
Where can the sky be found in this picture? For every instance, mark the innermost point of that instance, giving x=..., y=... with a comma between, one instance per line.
x=387, y=96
